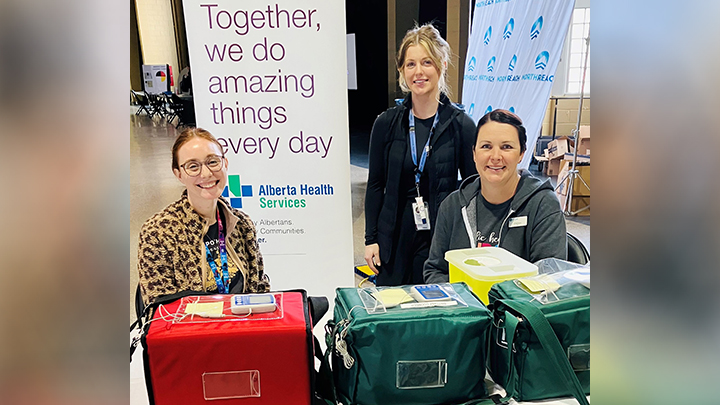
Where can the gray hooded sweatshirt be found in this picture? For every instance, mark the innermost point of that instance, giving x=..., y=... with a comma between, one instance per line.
x=534, y=227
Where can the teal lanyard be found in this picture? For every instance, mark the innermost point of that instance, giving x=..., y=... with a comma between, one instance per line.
x=221, y=279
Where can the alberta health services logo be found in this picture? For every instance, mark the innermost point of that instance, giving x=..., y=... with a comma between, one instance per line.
x=275, y=197
x=238, y=191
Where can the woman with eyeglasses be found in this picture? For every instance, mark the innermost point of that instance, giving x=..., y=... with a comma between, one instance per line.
x=199, y=243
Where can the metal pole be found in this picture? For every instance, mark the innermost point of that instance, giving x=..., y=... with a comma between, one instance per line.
x=573, y=173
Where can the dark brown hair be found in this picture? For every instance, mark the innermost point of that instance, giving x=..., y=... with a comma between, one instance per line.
x=504, y=117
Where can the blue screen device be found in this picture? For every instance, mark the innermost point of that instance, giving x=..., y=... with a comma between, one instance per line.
x=429, y=293
x=252, y=303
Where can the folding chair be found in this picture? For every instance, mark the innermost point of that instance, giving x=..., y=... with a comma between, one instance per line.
x=157, y=105
x=177, y=110
x=140, y=100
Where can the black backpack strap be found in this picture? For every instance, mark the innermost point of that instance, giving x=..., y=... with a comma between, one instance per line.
x=494, y=399
x=325, y=386
x=318, y=308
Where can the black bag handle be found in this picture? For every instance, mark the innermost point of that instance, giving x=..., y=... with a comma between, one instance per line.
x=318, y=308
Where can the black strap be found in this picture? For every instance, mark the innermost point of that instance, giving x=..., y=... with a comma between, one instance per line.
x=325, y=386
x=493, y=399
x=318, y=308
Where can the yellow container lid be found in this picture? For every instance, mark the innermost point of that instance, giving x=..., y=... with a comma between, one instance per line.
x=490, y=264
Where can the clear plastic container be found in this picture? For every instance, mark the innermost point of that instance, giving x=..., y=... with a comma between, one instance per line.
x=482, y=267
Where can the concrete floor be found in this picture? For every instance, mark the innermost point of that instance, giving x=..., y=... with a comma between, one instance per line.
x=153, y=186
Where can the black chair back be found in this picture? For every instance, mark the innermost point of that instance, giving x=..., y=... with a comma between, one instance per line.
x=139, y=304
x=577, y=252
x=140, y=100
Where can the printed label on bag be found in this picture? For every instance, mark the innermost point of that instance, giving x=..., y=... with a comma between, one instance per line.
x=429, y=304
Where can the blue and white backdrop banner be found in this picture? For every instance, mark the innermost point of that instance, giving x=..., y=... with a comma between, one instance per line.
x=514, y=51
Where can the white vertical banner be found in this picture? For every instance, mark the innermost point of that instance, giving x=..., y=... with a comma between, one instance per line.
x=513, y=52
x=270, y=82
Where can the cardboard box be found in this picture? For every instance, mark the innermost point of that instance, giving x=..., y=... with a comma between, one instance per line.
x=542, y=144
x=559, y=147
x=580, y=158
x=584, y=140
x=563, y=145
x=580, y=191
x=576, y=205
x=579, y=203
x=553, y=167
x=579, y=188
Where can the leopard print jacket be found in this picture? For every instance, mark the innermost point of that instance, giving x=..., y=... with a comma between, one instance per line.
x=171, y=253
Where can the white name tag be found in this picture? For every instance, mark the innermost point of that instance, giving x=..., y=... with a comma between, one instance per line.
x=420, y=213
x=517, y=221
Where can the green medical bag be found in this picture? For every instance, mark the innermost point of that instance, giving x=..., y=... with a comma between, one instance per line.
x=540, y=342
x=418, y=352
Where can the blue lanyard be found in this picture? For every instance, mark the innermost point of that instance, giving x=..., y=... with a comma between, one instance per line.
x=413, y=149
x=222, y=285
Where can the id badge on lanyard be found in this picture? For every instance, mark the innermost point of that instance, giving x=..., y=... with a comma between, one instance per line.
x=420, y=213
x=420, y=207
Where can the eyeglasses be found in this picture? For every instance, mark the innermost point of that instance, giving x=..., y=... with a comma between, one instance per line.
x=193, y=167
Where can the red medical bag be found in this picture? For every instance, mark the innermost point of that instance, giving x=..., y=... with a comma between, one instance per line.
x=259, y=359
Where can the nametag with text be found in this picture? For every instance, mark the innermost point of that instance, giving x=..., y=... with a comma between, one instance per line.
x=517, y=221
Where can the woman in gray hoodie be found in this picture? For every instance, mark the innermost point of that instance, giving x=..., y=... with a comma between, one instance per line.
x=501, y=205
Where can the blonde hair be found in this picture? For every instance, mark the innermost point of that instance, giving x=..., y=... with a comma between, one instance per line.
x=436, y=47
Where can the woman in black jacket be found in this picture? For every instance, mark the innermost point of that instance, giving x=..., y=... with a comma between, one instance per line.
x=419, y=150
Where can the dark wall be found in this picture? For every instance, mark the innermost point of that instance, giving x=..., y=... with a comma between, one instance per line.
x=136, y=82
x=368, y=21
x=434, y=11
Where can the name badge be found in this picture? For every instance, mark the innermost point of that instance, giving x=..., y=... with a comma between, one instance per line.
x=420, y=214
x=517, y=221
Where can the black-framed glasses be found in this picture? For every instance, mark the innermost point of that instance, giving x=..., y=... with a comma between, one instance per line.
x=193, y=167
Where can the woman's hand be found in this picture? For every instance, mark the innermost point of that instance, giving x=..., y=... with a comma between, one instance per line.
x=372, y=257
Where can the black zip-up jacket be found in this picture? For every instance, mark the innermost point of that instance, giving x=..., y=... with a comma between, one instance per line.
x=543, y=234
x=451, y=150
